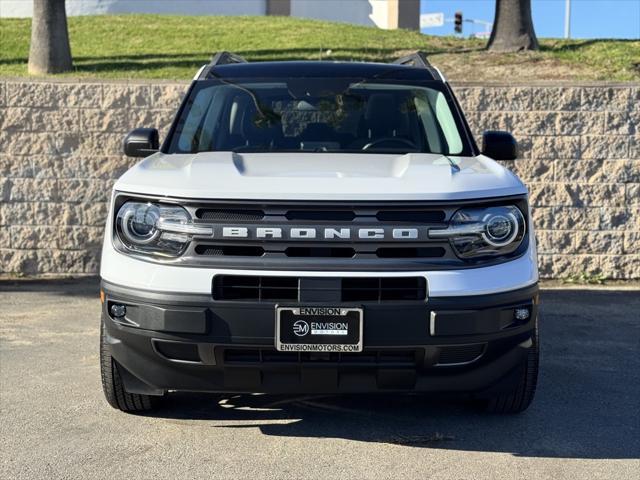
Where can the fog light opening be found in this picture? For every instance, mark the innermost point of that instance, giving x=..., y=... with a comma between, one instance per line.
x=118, y=311
x=521, y=314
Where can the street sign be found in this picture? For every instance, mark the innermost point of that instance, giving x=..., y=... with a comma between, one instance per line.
x=428, y=20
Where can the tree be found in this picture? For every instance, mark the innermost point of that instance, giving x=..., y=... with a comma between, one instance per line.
x=49, y=51
x=512, y=27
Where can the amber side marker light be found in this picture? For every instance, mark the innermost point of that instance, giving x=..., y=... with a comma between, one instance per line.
x=101, y=296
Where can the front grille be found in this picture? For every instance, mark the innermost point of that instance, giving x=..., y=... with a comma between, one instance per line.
x=372, y=358
x=352, y=289
x=318, y=251
x=259, y=235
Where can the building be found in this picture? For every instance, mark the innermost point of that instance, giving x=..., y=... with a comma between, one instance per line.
x=387, y=14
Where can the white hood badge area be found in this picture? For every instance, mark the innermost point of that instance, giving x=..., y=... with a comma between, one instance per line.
x=319, y=176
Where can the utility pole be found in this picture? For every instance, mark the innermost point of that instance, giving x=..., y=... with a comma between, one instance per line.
x=567, y=18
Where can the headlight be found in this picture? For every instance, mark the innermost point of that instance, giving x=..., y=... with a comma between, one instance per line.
x=156, y=229
x=478, y=232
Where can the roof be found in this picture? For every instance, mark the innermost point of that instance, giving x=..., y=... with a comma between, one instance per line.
x=412, y=67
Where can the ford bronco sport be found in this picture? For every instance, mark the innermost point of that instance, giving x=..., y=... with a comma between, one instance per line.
x=319, y=227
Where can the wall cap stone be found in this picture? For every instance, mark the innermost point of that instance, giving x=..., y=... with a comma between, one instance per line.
x=186, y=81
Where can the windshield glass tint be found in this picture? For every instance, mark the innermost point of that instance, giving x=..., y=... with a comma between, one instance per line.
x=317, y=115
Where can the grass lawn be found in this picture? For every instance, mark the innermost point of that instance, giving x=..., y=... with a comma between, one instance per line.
x=174, y=47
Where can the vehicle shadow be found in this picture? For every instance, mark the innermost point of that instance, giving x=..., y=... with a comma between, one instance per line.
x=586, y=407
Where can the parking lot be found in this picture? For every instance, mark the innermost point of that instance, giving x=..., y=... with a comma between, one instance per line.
x=584, y=423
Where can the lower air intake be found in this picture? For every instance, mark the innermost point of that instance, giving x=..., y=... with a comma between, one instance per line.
x=255, y=288
x=460, y=354
x=384, y=289
x=275, y=289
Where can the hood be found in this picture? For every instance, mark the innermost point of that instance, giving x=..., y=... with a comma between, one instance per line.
x=319, y=176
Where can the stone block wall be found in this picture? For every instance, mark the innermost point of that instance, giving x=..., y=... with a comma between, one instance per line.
x=60, y=152
x=580, y=158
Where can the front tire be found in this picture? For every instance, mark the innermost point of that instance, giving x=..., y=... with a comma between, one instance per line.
x=519, y=399
x=112, y=385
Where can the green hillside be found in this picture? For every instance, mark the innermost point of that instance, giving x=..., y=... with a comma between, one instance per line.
x=173, y=47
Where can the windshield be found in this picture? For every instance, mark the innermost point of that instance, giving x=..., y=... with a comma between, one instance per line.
x=318, y=115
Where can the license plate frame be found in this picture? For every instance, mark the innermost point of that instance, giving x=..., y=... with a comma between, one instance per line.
x=329, y=334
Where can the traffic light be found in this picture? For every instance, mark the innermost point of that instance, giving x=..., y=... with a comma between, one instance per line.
x=458, y=22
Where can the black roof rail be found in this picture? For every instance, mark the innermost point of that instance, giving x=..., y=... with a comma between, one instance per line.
x=419, y=60
x=225, y=58
x=221, y=58
x=416, y=59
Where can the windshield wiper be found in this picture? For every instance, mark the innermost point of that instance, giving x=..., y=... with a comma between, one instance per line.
x=454, y=165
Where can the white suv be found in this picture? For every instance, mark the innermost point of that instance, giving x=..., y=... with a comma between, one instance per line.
x=319, y=227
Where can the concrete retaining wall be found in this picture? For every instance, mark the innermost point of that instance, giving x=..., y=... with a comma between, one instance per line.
x=60, y=151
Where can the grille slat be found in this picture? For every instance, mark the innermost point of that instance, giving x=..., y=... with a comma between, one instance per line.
x=411, y=252
x=316, y=251
x=417, y=216
x=321, y=215
x=229, y=250
x=229, y=215
x=320, y=252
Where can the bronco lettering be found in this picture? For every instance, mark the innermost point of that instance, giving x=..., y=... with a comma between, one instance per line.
x=328, y=233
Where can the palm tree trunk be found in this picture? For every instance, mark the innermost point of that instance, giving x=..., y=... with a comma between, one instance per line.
x=512, y=27
x=49, y=51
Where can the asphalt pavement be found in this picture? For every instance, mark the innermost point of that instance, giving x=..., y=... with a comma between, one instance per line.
x=55, y=423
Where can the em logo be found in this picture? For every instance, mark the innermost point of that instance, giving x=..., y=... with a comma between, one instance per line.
x=300, y=328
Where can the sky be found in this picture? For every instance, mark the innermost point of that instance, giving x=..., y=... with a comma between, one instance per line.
x=589, y=18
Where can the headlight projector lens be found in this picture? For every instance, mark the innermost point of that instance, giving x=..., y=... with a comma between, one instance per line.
x=500, y=230
x=139, y=223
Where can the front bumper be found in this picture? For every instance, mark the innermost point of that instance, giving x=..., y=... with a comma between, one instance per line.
x=190, y=342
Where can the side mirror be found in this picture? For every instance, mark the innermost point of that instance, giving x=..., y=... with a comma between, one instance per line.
x=141, y=142
x=499, y=145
